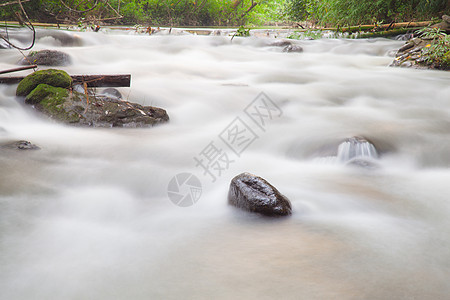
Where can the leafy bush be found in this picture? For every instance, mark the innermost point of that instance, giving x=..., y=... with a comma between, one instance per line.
x=437, y=52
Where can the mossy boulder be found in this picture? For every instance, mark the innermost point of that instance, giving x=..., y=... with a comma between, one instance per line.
x=44, y=90
x=52, y=77
x=74, y=108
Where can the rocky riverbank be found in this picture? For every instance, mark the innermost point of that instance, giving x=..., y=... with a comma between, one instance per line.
x=430, y=49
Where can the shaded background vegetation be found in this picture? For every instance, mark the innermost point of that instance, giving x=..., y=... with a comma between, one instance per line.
x=227, y=12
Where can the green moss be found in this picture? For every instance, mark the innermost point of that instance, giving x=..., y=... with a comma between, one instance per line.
x=52, y=101
x=52, y=77
x=44, y=90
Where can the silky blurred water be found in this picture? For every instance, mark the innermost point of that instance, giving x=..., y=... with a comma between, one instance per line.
x=88, y=215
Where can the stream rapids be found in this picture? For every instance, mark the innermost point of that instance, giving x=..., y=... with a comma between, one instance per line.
x=88, y=216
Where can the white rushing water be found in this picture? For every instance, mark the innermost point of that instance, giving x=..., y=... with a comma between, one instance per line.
x=88, y=216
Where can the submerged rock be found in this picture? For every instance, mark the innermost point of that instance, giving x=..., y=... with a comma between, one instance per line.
x=110, y=93
x=47, y=58
x=356, y=151
x=55, y=78
x=254, y=194
x=75, y=108
x=359, y=152
x=293, y=48
x=281, y=43
x=64, y=38
x=356, y=147
x=20, y=145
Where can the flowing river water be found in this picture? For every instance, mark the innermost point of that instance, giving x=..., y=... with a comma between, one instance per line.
x=88, y=216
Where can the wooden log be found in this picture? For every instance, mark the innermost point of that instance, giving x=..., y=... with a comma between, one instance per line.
x=103, y=80
x=90, y=80
x=386, y=27
x=387, y=33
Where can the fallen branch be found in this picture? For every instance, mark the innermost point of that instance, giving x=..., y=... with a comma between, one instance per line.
x=13, y=2
x=90, y=80
x=18, y=69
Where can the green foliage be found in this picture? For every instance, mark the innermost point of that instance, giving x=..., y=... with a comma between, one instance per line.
x=437, y=52
x=168, y=12
x=242, y=32
x=230, y=12
x=355, y=12
x=267, y=12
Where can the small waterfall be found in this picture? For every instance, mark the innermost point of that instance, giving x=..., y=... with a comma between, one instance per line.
x=356, y=147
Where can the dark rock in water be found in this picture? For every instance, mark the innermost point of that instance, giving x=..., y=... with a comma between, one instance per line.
x=293, y=48
x=55, y=78
x=282, y=43
x=111, y=93
x=20, y=145
x=47, y=58
x=254, y=194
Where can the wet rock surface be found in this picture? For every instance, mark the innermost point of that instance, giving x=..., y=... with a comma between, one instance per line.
x=20, y=145
x=47, y=58
x=254, y=194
